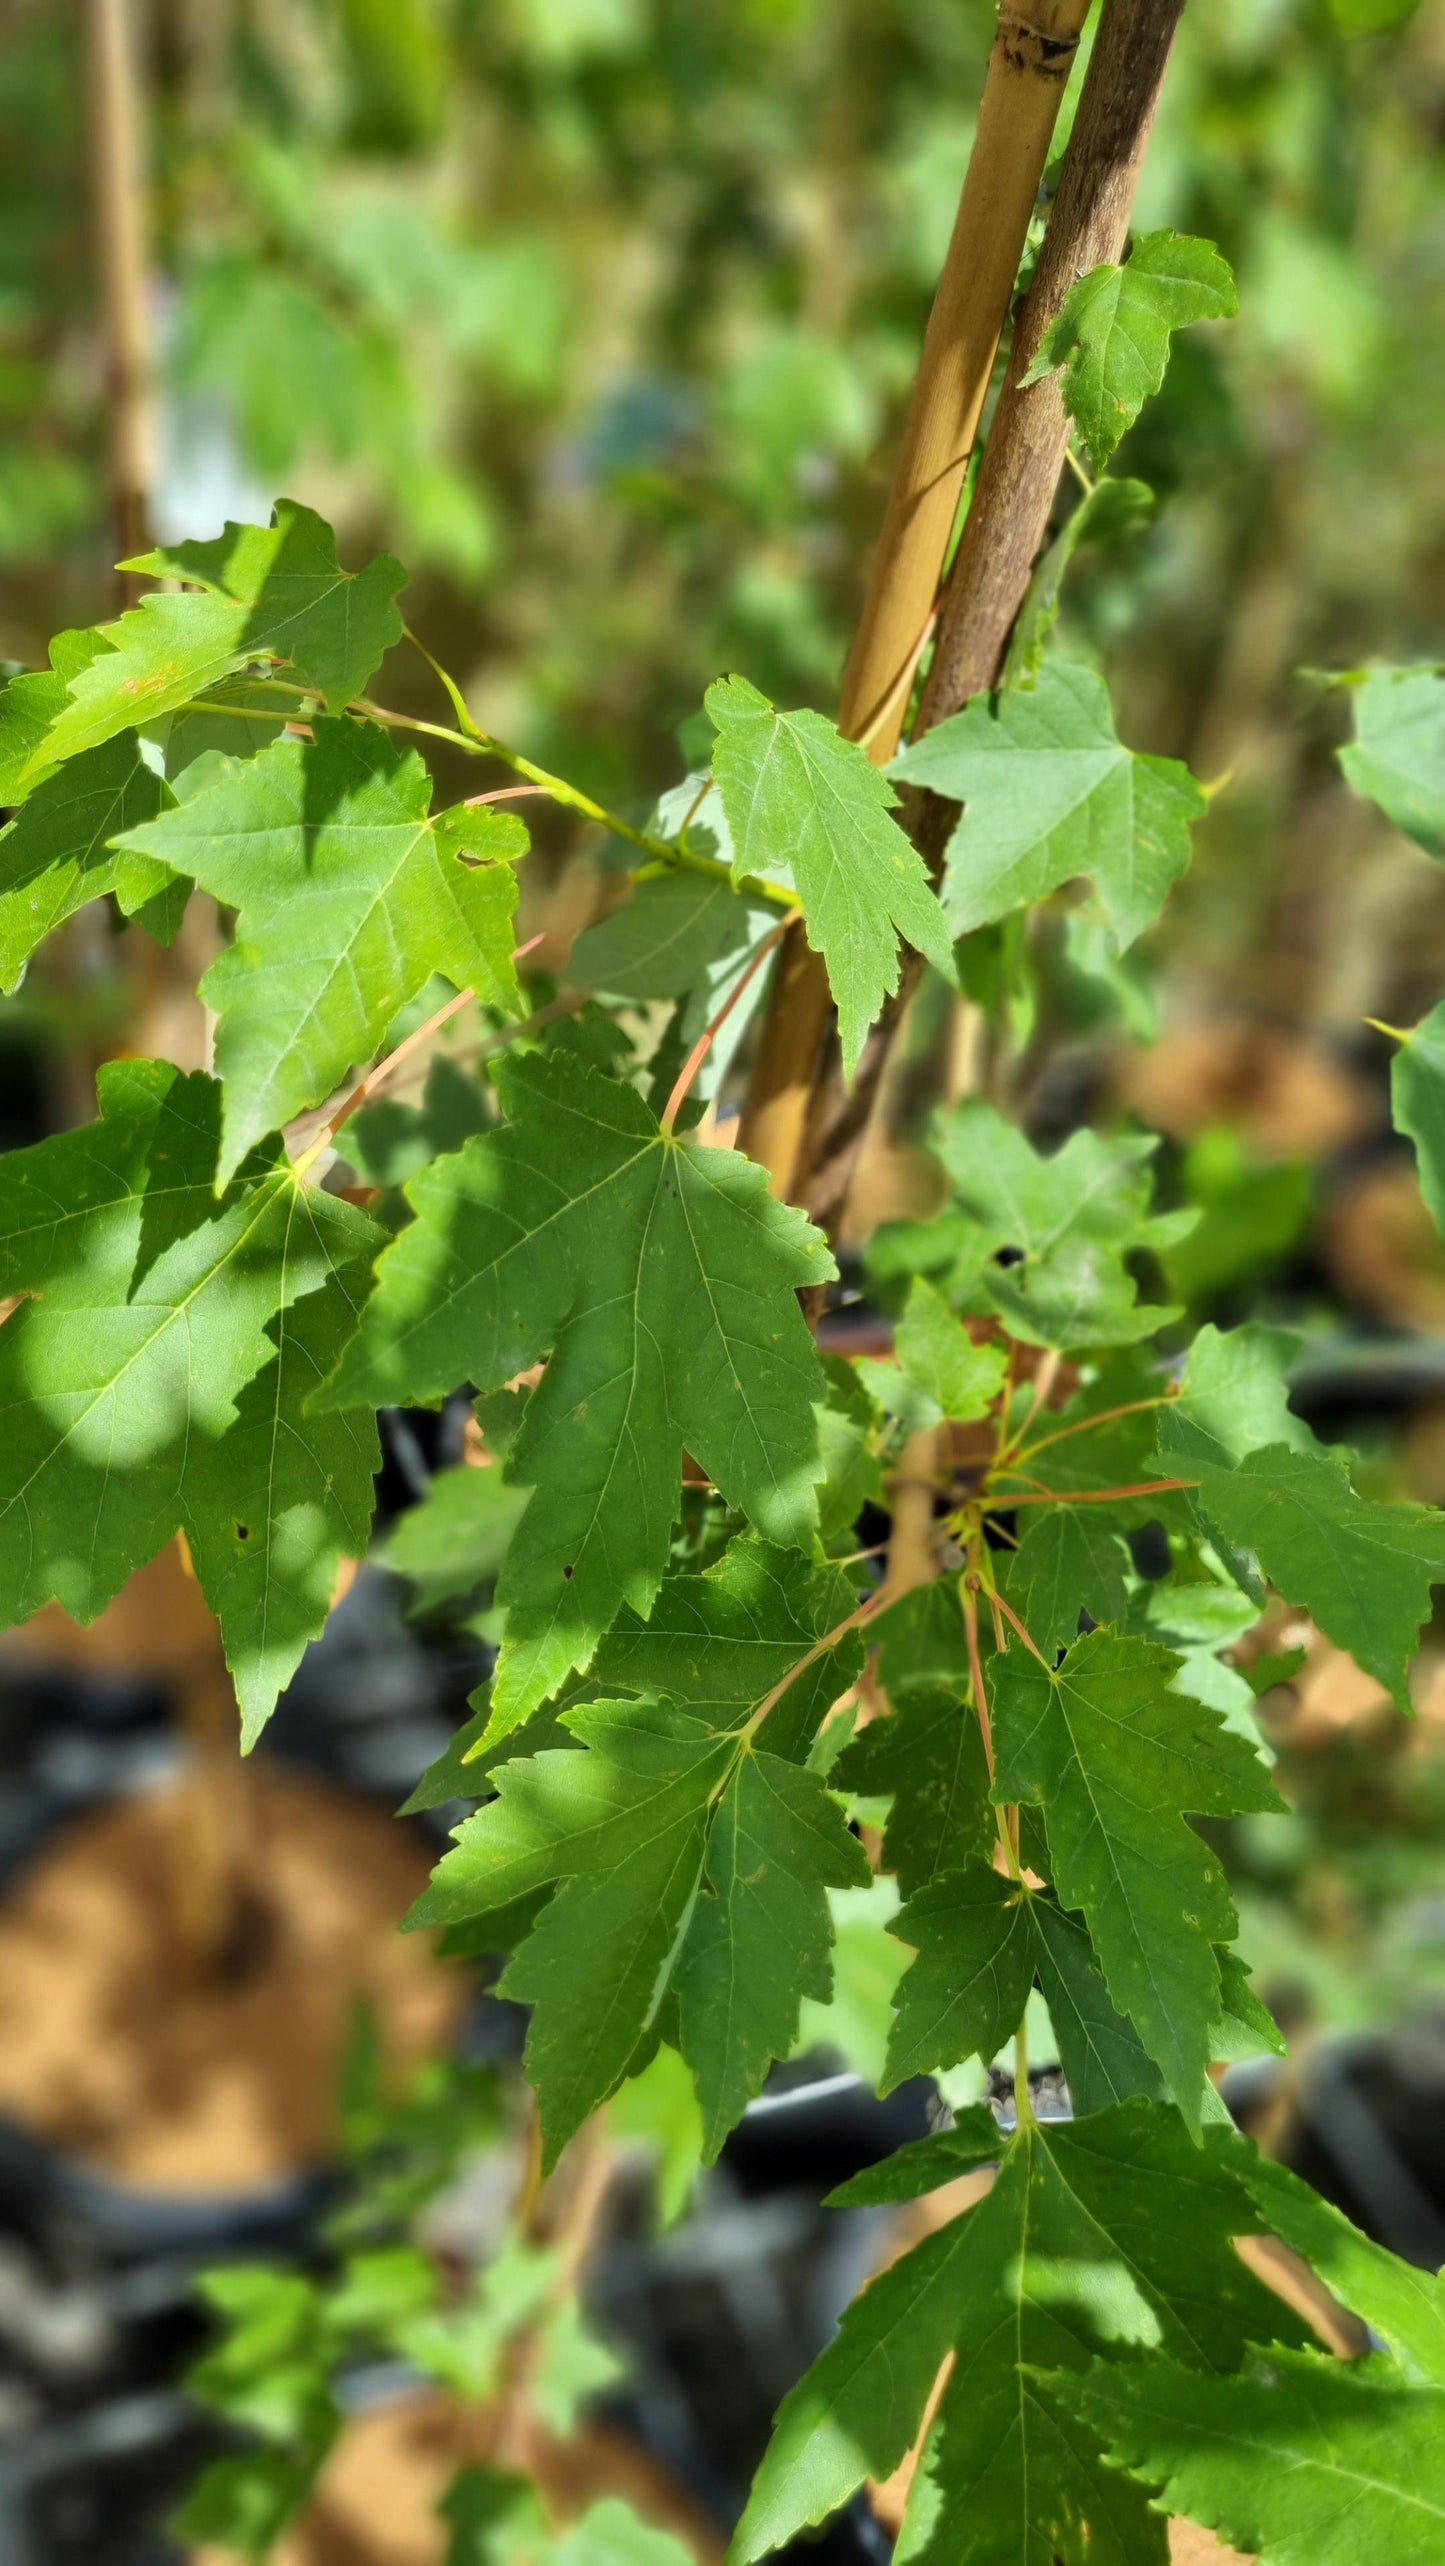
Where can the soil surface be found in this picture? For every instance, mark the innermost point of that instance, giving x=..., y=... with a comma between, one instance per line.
x=179, y=1973
x=376, y=2502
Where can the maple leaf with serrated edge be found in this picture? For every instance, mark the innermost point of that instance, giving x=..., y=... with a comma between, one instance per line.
x=694, y=1865
x=1114, y=2236
x=719, y=1641
x=1114, y=1758
x=29, y=703
x=795, y=792
x=1067, y=1221
x=262, y=592
x=1051, y=796
x=964, y=1995
x=660, y=1277
x=1417, y=1102
x=157, y=1377
x=927, y=1755
x=1302, y=2460
x=1364, y=1572
x=1112, y=332
x=1397, y=756
x=959, y=1379
x=982, y=1942
x=350, y=897
x=59, y=850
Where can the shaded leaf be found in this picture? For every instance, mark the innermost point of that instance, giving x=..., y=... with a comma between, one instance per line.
x=158, y=1377
x=1303, y=2461
x=274, y=593
x=349, y=896
x=57, y=852
x=1114, y=1758
x=660, y=1277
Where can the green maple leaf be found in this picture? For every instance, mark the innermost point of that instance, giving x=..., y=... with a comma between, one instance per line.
x=675, y=932
x=964, y=1996
x=1112, y=2236
x=1417, y=1098
x=457, y=1537
x=156, y=1377
x=1070, y=1559
x=794, y=792
x=694, y=1866
x=957, y=1378
x=1403, y=2304
x=1397, y=756
x=660, y=1278
x=1114, y=1757
x=1363, y=1571
x=1051, y=795
x=718, y=1642
x=1302, y=2461
x=58, y=852
x=350, y=897
x=982, y=1942
x=928, y=1756
x=923, y=2165
x=1112, y=331
x=1039, y=1241
x=262, y=593
x=29, y=704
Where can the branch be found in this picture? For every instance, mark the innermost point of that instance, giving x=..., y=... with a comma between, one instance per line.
x=1026, y=75
x=1008, y=517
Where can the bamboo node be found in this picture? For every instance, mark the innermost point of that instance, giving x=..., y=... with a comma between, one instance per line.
x=1028, y=47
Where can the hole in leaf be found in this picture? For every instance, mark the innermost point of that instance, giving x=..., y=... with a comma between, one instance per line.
x=566, y=1572
x=243, y=1532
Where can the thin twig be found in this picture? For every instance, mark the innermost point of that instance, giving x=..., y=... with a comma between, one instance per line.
x=1001, y=1604
x=1081, y=1425
x=1088, y=1496
x=704, y=1042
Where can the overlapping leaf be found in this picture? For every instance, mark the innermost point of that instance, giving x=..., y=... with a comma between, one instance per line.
x=261, y=593
x=1301, y=2461
x=57, y=852
x=155, y=1376
x=350, y=897
x=1112, y=331
x=1051, y=795
x=1417, y=1098
x=694, y=1866
x=1114, y=1758
x=1364, y=1571
x=1397, y=755
x=660, y=1278
x=1112, y=2236
x=796, y=793
x=1041, y=1242
x=928, y=1757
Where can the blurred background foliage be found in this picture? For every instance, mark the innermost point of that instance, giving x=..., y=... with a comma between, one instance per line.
x=602, y=314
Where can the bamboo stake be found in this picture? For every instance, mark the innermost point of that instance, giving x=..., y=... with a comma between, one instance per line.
x=1028, y=68
x=1012, y=503
x=1009, y=519
x=120, y=238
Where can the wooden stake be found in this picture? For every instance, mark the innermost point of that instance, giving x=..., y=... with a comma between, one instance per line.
x=1027, y=71
x=118, y=184
x=1019, y=478
x=1012, y=503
